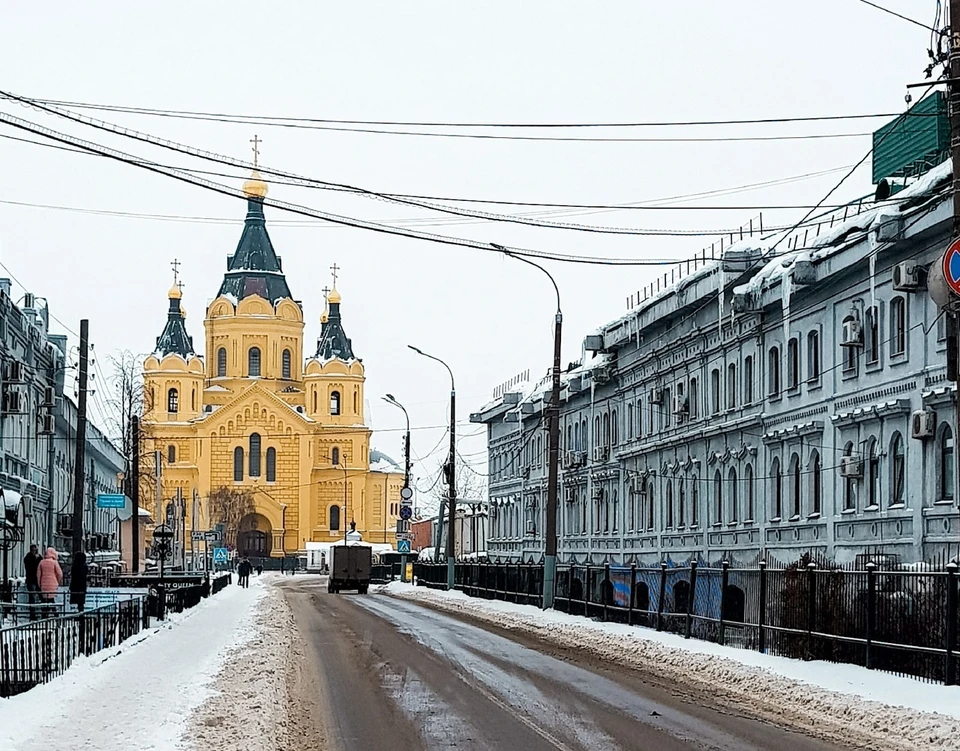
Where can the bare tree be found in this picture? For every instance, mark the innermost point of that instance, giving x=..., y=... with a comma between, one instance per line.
x=228, y=506
x=471, y=487
x=126, y=395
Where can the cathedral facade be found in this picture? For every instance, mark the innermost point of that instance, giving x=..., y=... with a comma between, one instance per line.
x=256, y=436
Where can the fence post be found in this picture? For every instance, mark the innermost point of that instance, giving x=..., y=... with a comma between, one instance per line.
x=811, y=605
x=762, y=615
x=663, y=594
x=724, y=578
x=951, y=673
x=586, y=591
x=871, y=610
x=633, y=584
x=691, y=599
x=605, y=588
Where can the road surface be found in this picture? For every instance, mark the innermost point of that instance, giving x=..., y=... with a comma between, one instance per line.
x=391, y=675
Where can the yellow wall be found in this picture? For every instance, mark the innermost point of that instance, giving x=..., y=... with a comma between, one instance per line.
x=216, y=414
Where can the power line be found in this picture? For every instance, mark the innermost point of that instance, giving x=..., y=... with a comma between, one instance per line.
x=898, y=15
x=314, y=213
x=652, y=204
x=187, y=114
x=365, y=224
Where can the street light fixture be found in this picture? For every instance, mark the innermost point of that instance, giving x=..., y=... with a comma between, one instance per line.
x=391, y=399
x=553, y=444
x=451, y=469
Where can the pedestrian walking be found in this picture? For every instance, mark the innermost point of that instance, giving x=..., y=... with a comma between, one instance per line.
x=78, y=580
x=259, y=569
x=243, y=571
x=30, y=563
x=49, y=577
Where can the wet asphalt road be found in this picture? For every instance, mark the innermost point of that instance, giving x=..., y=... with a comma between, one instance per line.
x=392, y=675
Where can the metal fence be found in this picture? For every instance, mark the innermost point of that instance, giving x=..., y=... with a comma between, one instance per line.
x=35, y=652
x=902, y=620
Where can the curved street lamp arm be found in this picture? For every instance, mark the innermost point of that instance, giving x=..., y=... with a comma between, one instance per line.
x=535, y=265
x=421, y=352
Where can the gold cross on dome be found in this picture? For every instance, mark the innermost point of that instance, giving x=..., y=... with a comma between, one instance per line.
x=334, y=269
x=175, y=265
x=256, y=141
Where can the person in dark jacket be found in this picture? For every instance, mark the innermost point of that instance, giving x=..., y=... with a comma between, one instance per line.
x=243, y=571
x=78, y=580
x=30, y=563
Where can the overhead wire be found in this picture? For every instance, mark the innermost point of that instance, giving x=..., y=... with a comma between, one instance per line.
x=327, y=216
x=416, y=203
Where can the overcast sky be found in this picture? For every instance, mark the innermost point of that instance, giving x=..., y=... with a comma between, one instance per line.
x=487, y=316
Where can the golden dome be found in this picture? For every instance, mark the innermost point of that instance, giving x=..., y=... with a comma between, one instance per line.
x=174, y=293
x=334, y=297
x=323, y=317
x=255, y=187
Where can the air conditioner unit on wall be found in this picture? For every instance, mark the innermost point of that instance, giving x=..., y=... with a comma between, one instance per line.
x=48, y=425
x=851, y=334
x=923, y=424
x=909, y=276
x=851, y=466
x=49, y=396
x=656, y=396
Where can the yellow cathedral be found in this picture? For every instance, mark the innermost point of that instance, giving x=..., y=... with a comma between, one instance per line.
x=257, y=420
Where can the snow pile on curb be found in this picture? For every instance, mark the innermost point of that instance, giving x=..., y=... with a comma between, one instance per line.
x=249, y=700
x=841, y=703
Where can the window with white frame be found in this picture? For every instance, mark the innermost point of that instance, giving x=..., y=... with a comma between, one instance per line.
x=898, y=326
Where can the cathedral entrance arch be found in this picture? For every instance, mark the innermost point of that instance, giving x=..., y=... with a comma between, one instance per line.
x=254, y=537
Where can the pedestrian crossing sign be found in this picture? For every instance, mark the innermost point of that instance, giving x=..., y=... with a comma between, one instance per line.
x=403, y=546
x=220, y=555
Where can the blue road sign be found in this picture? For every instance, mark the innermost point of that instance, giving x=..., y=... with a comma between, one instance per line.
x=406, y=512
x=951, y=266
x=403, y=546
x=220, y=555
x=111, y=500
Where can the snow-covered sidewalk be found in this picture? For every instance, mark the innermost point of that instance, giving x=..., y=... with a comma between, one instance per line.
x=139, y=695
x=843, y=703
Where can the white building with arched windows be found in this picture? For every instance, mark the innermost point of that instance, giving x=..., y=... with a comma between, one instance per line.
x=788, y=396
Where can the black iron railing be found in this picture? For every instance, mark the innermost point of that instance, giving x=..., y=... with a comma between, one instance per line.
x=34, y=652
x=902, y=620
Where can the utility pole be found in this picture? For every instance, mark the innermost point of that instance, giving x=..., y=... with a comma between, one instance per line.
x=78, y=466
x=553, y=442
x=135, y=494
x=452, y=484
x=953, y=102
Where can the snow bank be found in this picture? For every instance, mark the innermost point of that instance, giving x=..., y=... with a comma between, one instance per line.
x=844, y=703
x=249, y=702
x=137, y=695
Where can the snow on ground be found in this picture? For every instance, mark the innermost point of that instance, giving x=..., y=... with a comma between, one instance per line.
x=140, y=694
x=835, y=701
x=250, y=695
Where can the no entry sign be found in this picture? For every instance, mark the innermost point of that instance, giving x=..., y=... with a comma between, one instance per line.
x=951, y=267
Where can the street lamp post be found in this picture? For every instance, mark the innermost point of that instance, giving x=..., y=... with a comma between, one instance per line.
x=390, y=399
x=451, y=469
x=553, y=444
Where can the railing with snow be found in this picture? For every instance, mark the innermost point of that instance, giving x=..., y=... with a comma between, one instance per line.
x=797, y=238
x=34, y=652
x=902, y=620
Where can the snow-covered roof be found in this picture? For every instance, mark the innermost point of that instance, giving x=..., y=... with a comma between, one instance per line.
x=380, y=462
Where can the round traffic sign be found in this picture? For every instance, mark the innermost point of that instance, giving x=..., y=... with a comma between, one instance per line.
x=406, y=512
x=406, y=493
x=951, y=267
